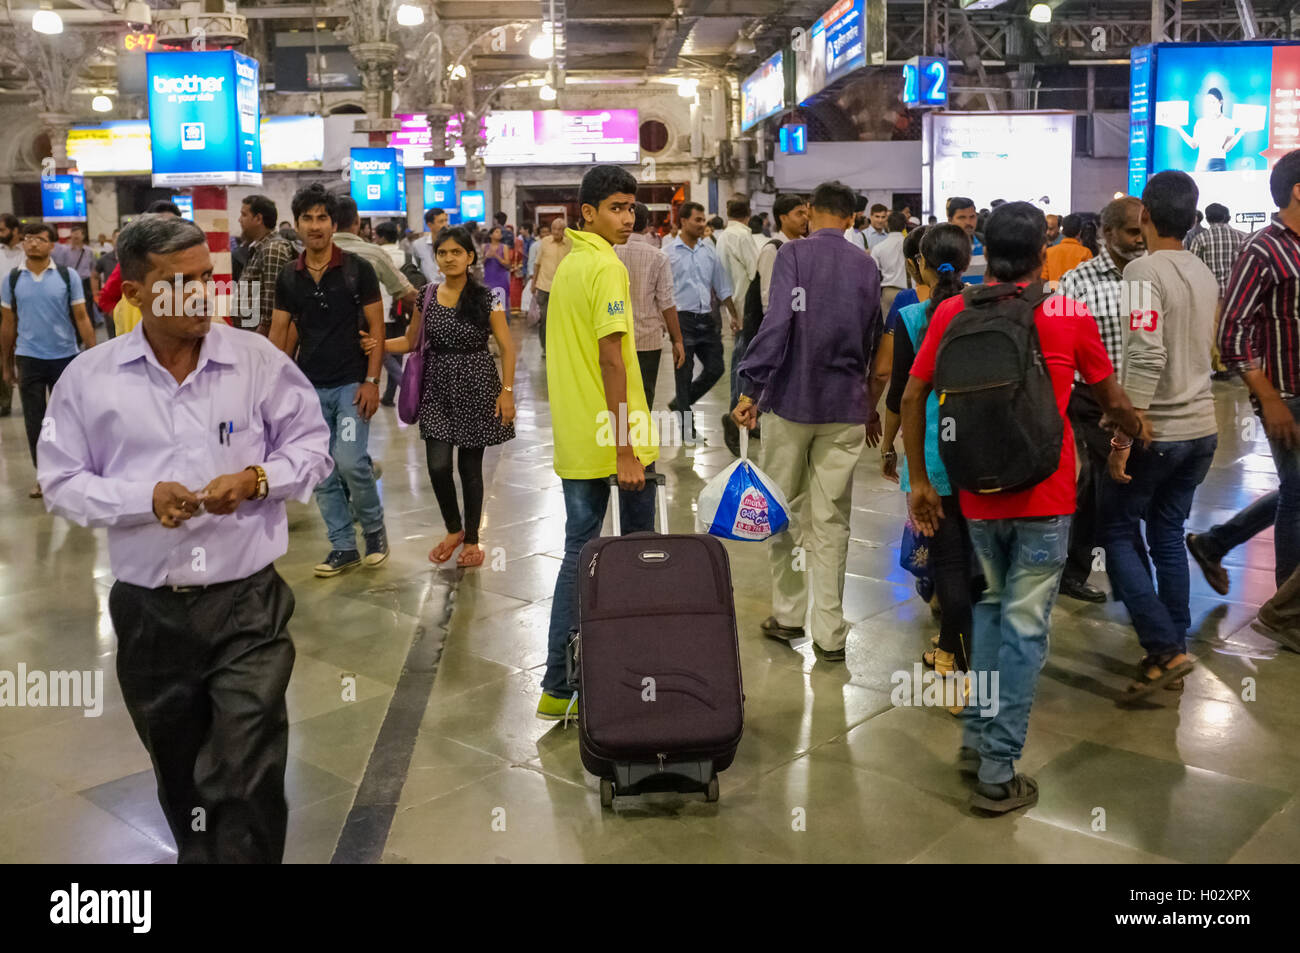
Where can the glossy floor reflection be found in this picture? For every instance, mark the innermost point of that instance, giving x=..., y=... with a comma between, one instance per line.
x=829, y=769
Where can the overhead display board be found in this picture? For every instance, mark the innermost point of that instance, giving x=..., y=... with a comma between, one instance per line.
x=204, y=126
x=762, y=92
x=532, y=137
x=847, y=37
x=1224, y=113
x=63, y=198
x=378, y=182
x=986, y=156
x=122, y=147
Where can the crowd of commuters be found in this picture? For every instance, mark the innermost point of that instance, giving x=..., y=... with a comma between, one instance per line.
x=847, y=324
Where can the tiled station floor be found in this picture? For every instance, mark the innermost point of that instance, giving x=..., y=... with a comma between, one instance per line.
x=829, y=769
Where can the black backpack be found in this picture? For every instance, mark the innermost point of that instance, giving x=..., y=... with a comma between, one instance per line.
x=753, y=316
x=67, y=280
x=999, y=427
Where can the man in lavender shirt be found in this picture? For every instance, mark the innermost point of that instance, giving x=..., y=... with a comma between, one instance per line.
x=808, y=368
x=188, y=459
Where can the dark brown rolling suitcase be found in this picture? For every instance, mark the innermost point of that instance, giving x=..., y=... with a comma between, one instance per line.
x=661, y=707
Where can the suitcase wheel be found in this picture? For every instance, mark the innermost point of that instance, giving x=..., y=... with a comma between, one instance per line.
x=711, y=794
x=607, y=792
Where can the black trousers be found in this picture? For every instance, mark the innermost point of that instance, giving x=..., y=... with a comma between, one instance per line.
x=36, y=379
x=702, y=338
x=469, y=461
x=1092, y=446
x=952, y=556
x=649, y=361
x=203, y=673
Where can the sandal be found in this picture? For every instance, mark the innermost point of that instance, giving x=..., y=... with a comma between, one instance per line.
x=442, y=552
x=945, y=667
x=1153, y=674
x=471, y=558
x=927, y=657
x=1020, y=791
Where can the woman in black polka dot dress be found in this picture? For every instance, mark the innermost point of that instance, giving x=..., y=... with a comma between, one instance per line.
x=464, y=403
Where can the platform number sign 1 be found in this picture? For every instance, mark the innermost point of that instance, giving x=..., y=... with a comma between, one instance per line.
x=925, y=82
x=793, y=139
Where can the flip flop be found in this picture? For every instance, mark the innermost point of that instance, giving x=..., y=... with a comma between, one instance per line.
x=442, y=552
x=470, y=558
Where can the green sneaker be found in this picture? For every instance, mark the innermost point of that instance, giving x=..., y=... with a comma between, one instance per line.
x=553, y=708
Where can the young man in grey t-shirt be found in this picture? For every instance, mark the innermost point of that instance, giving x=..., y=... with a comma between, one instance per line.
x=1172, y=297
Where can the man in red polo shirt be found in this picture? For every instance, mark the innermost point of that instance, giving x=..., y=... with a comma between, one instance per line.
x=1022, y=538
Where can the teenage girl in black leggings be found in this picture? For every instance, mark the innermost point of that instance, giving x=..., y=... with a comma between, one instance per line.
x=463, y=402
x=945, y=254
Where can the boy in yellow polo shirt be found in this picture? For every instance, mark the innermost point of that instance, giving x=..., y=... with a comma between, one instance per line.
x=599, y=416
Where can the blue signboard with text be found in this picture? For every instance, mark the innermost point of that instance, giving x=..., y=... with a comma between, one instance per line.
x=439, y=187
x=473, y=206
x=378, y=182
x=186, y=204
x=63, y=198
x=1139, y=139
x=204, y=118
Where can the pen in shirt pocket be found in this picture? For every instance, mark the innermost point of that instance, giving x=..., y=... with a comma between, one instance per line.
x=224, y=430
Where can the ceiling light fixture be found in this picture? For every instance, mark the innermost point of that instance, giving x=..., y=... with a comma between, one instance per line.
x=543, y=45
x=547, y=93
x=101, y=104
x=687, y=88
x=47, y=21
x=409, y=15
x=458, y=71
x=1040, y=13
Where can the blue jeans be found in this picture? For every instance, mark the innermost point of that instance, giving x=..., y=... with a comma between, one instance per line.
x=349, y=434
x=1164, y=475
x=585, y=502
x=1022, y=561
x=1286, y=531
x=1252, y=520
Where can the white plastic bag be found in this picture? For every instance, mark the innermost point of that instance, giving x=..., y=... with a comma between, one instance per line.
x=742, y=502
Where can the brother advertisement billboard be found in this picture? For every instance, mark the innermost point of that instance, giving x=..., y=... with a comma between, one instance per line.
x=63, y=198
x=203, y=119
x=378, y=182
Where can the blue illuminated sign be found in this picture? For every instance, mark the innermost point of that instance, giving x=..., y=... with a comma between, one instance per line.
x=378, y=181
x=925, y=82
x=473, y=206
x=1139, y=105
x=63, y=198
x=186, y=204
x=793, y=139
x=204, y=122
x=439, y=187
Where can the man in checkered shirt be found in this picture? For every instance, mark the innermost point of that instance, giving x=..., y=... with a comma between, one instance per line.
x=1099, y=285
x=1218, y=246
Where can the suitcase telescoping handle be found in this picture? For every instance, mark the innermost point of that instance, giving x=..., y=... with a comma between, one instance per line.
x=661, y=501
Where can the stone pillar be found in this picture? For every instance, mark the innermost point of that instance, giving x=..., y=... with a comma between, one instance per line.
x=376, y=63
x=57, y=125
x=212, y=214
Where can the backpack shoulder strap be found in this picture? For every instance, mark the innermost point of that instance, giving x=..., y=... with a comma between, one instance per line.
x=13, y=287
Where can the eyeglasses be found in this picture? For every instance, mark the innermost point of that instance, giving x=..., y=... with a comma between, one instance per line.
x=37, y=238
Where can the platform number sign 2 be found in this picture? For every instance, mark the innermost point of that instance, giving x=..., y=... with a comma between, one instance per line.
x=925, y=82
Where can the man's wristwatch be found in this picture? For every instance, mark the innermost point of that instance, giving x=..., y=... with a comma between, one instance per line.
x=373, y=380
x=263, y=487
